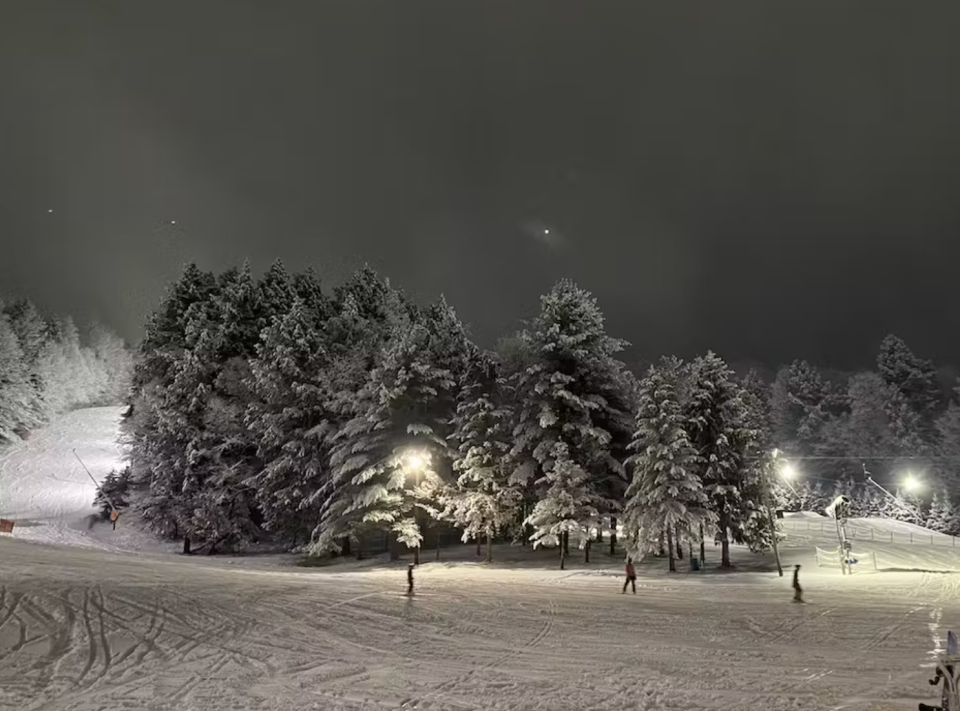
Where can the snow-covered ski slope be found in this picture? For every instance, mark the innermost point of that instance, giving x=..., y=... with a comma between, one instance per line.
x=85, y=627
x=43, y=486
x=82, y=629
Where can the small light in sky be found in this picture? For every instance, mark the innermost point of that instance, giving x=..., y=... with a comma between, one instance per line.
x=173, y=222
x=546, y=230
x=50, y=210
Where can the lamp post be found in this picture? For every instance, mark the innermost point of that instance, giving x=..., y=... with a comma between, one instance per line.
x=771, y=462
x=417, y=463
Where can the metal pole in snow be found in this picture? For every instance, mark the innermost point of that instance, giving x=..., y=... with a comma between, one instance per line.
x=93, y=480
x=766, y=497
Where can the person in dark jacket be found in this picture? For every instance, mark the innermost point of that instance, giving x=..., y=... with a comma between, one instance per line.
x=410, y=579
x=631, y=577
x=797, y=590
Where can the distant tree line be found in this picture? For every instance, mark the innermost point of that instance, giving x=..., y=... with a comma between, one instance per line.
x=270, y=407
x=47, y=368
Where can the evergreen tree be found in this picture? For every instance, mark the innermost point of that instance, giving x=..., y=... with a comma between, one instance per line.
x=942, y=513
x=800, y=403
x=564, y=398
x=914, y=378
x=567, y=505
x=719, y=425
x=113, y=492
x=32, y=337
x=900, y=508
x=401, y=416
x=275, y=293
x=291, y=419
x=16, y=393
x=665, y=492
x=483, y=501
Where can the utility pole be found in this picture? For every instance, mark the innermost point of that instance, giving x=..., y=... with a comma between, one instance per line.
x=769, y=463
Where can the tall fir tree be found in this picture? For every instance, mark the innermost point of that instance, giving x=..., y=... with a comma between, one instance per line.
x=403, y=413
x=564, y=407
x=16, y=393
x=665, y=495
x=914, y=378
x=291, y=419
x=483, y=502
x=720, y=429
x=942, y=513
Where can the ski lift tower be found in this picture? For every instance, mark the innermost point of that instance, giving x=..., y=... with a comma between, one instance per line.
x=839, y=511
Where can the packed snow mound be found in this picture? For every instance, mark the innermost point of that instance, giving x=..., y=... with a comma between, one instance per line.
x=44, y=488
x=896, y=544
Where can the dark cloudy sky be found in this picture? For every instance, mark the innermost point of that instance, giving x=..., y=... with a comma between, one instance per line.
x=770, y=180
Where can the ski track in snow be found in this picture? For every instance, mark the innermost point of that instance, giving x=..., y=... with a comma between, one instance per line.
x=94, y=628
x=85, y=630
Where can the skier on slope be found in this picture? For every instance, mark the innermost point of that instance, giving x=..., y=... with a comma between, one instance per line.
x=631, y=577
x=410, y=579
x=946, y=672
x=797, y=590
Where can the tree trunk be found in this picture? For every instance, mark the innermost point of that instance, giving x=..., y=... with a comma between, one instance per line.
x=345, y=548
x=613, y=536
x=186, y=545
x=566, y=543
x=703, y=547
x=663, y=544
x=725, y=551
x=562, y=558
x=489, y=548
x=478, y=546
x=673, y=561
x=359, y=547
x=586, y=552
x=416, y=555
x=679, y=541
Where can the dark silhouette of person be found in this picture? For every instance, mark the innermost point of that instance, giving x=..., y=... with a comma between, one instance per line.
x=797, y=590
x=631, y=577
x=410, y=579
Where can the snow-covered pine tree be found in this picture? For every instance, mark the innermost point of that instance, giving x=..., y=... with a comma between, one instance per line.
x=482, y=502
x=665, y=492
x=911, y=376
x=32, y=336
x=223, y=337
x=941, y=513
x=560, y=401
x=900, y=508
x=290, y=417
x=113, y=492
x=16, y=393
x=567, y=505
x=871, y=501
x=719, y=427
x=800, y=401
x=275, y=294
x=387, y=460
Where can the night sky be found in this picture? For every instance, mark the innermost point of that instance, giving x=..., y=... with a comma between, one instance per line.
x=769, y=180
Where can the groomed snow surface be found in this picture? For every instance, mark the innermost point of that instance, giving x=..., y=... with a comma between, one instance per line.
x=91, y=629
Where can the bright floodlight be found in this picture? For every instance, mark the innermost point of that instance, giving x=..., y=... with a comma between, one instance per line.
x=788, y=471
x=911, y=483
x=416, y=460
